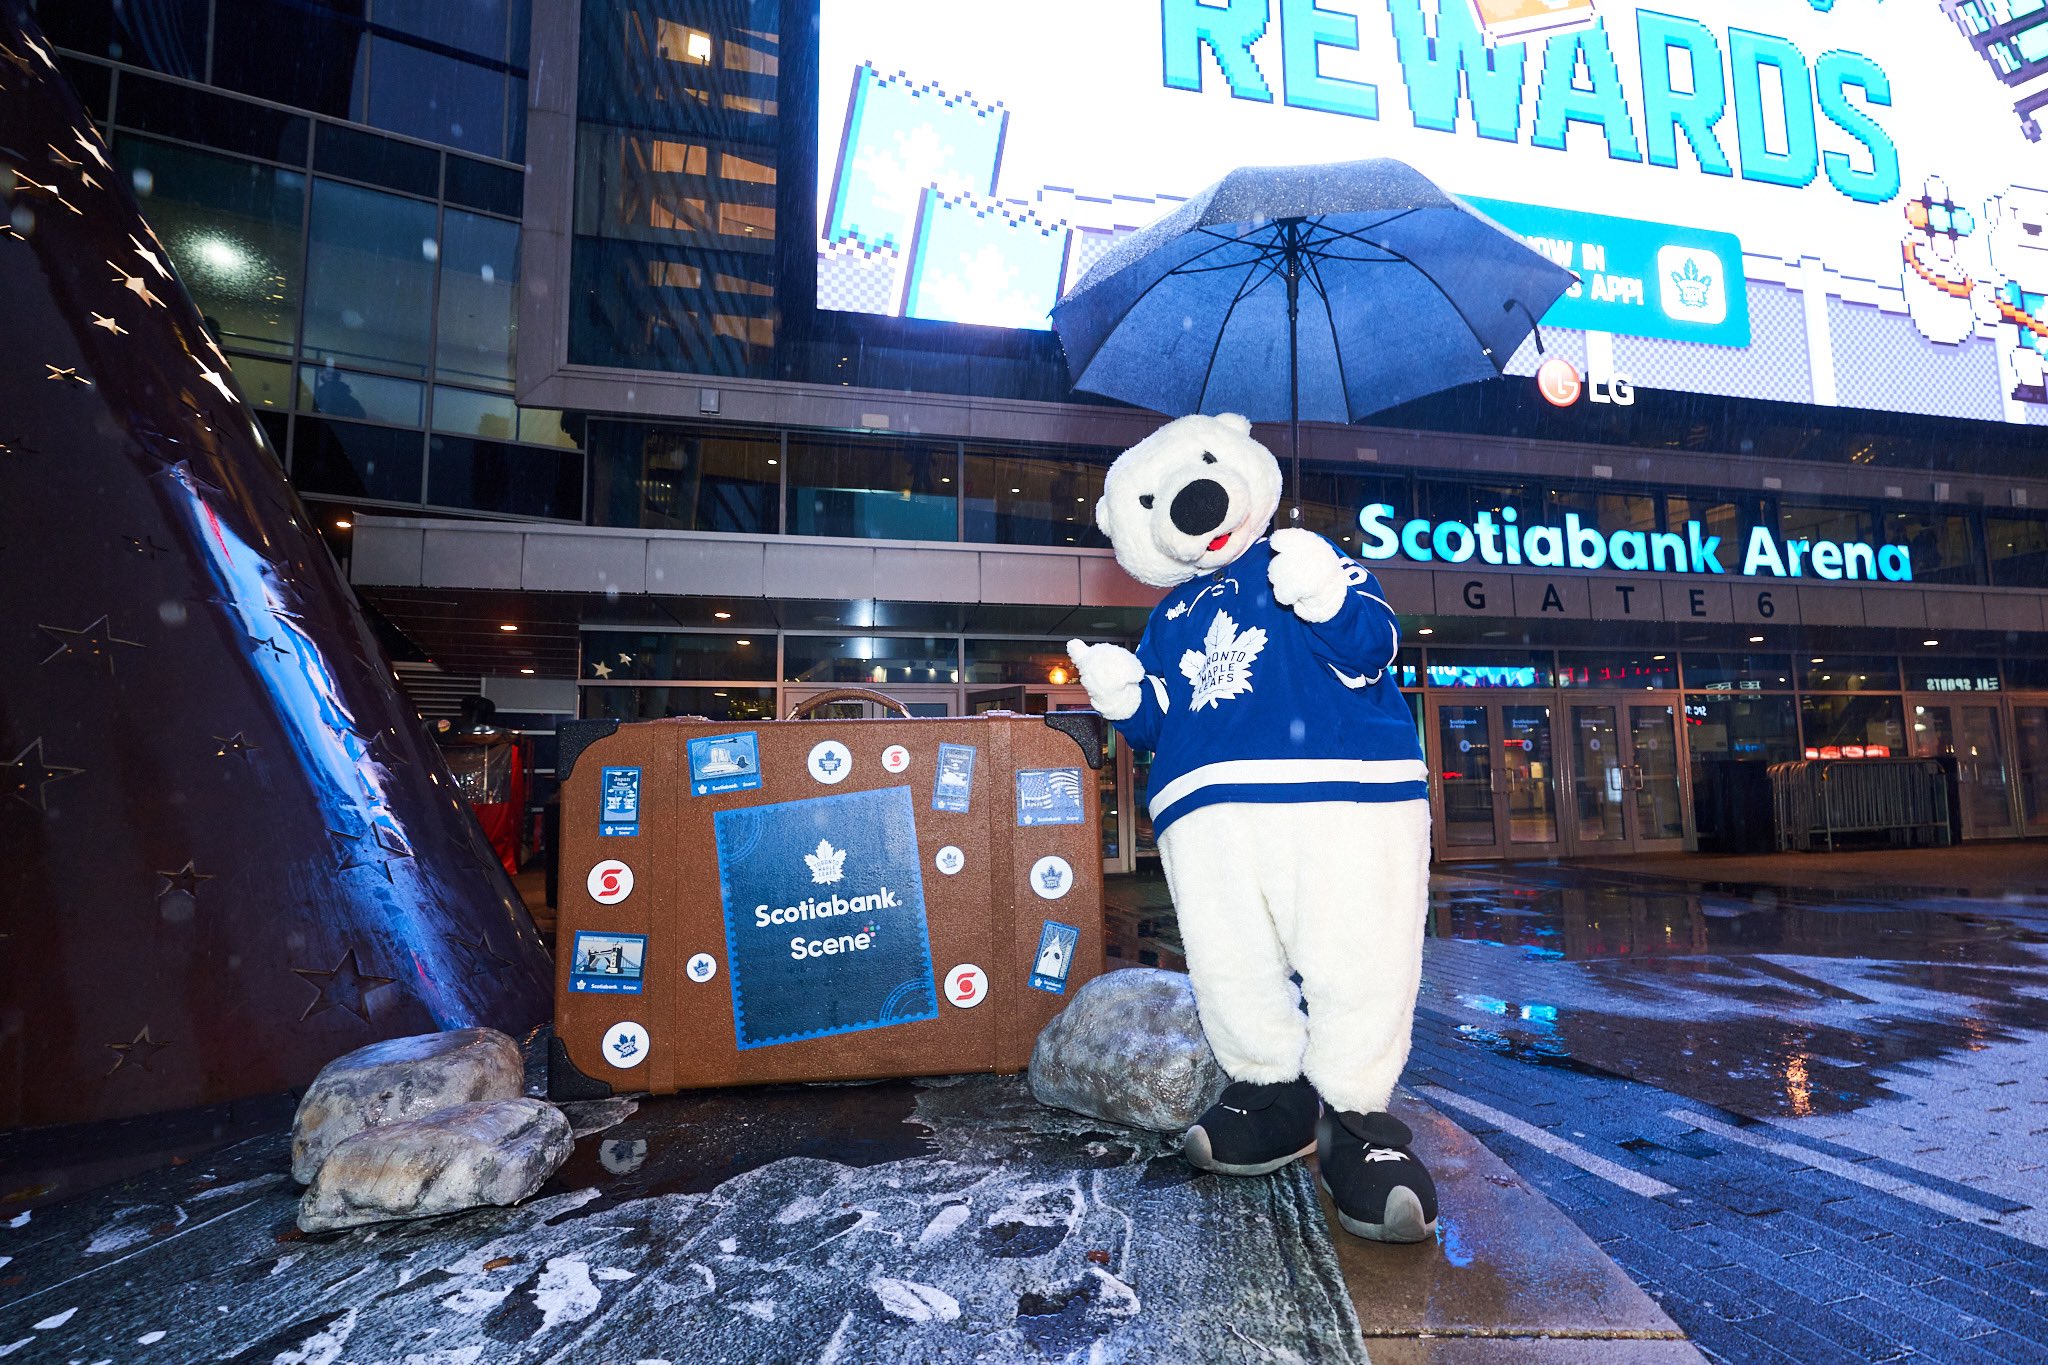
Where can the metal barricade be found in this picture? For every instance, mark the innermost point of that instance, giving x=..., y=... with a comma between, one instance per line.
x=1819, y=799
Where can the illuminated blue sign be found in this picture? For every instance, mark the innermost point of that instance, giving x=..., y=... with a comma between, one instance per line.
x=1507, y=540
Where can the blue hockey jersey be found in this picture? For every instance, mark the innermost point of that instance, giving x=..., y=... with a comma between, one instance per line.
x=1245, y=701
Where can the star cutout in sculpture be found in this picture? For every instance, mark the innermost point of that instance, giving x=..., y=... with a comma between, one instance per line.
x=625, y=658
x=64, y=372
x=96, y=639
x=355, y=853
x=63, y=158
x=138, y=1051
x=27, y=774
x=269, y=643
x=234, y=746
x=134, y=284
x=479, y=956
x=11, y=55
x=92, y=150
x=30, y=44
x=112, y=326
x=146, y=545
x=185, y=879
x=347, y=987
x=602, y=669
x=214, y=378
x=150, y=256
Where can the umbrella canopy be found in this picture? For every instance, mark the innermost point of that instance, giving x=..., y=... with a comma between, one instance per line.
x=1305, y=292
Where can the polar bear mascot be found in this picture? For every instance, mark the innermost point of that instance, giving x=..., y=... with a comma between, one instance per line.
x=1289, y=796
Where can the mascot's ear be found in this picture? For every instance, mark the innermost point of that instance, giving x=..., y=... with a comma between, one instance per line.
x=1241, y=425
x=1102, y=516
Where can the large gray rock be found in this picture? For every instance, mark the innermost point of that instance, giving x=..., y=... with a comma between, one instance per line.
x=1129, y=1048
x=493, y=1152
x=405, y=1078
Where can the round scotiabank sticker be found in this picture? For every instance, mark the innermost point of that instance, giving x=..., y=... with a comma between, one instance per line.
x=701, y=968
x=1052, y=877
x=949, y=860
x=610, y=882
x=966, y=986
x=895, y=758
x=625, y=1045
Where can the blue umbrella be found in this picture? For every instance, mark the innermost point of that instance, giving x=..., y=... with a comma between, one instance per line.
x=1305, y=292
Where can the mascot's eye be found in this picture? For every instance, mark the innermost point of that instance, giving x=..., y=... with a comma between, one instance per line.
x=1145, y=500
x=1207, y=458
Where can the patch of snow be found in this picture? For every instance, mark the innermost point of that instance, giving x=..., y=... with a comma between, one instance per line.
x=914, y=1302
x=55, y=1320
x=565, y=1293
x=323, y=1347
x=944, y=1223
x=151, y=1338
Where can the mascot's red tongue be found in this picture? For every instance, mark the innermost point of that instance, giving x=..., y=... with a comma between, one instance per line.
x=1220, y=541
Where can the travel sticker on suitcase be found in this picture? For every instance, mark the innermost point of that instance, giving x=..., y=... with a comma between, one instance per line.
x=824, y=917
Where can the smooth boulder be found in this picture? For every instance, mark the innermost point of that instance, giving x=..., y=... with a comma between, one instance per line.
x=492, y=1152
x=1129, y=1048
x=405, y=1078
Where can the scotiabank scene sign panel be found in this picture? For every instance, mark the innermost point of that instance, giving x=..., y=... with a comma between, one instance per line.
x=1505, y=538
x=1836, y=203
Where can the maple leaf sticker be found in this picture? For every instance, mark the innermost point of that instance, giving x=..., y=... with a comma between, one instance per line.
x=1224, y=667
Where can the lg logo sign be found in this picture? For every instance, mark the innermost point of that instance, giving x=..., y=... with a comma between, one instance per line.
x=1559, y=382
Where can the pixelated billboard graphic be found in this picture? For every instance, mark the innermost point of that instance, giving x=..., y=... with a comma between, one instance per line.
x=1761, y=199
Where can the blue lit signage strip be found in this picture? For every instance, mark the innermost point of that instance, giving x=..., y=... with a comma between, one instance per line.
x=1507, y=540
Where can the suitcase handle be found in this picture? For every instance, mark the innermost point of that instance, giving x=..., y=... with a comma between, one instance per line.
x=804, y=709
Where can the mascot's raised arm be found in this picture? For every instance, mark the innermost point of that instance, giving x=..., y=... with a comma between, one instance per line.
x=1290, y=801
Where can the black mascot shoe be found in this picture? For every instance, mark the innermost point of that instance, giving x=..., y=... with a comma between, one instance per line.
x=1255, y=1129
x=1382, y=1192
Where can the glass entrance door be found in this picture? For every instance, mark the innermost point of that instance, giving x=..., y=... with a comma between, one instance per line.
x=2030, y=728
x=1627, y=783
x=1973, y=733
x=1496, y=778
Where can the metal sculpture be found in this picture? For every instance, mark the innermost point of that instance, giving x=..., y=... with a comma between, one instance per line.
x=228, y=852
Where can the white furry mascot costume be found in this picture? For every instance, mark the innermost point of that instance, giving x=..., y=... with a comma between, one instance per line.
x=1289, y=796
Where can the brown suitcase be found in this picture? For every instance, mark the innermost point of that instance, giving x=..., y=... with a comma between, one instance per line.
x=807, y=900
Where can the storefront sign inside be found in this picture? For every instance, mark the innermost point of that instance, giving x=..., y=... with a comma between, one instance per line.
x=1504, y=538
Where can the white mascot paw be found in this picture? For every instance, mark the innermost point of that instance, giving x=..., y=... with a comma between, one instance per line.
x=1112, y=675
x=1307, y=575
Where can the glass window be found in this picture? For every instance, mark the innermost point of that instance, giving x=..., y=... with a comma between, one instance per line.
x=164, y=35
x=1494, y=669
x=1608, y=512
x=479, y=315
x=494, y=189
x=869, y=659
x=1019, y=661
x=660, y=655
x=1849, y=673
x=371, y=397
x=356, y=155
x=1836, y=723
x=489, y=476
x=659, y=703
x=233, y=230
x=1951, y=675
x=1737, y=672
x=467, y=413
x=352, y=460
x=1408, y=669
x=435, y=97
x=1020, y=499
x=475, y=26
x=2018, y=542
x=1763, y=729
x=546, y=427
x=873, y=490
x=265, y=383
x=1728, y=518
x=1942, y=545
x=1800, y=521
x=675, y=479
x=1461, y=501
x=2029, y=674
x=1331, y=502
x=306, y=56
x=369, y=279
x=1639, y=671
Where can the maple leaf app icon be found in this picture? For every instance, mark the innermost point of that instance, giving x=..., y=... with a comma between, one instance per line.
x=1224, y=667
x=828, y=864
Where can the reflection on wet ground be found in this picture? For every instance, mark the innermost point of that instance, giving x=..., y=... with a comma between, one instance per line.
x=1765, y=1000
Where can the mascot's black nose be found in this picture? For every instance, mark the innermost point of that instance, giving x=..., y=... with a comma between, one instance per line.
x=1200, y=507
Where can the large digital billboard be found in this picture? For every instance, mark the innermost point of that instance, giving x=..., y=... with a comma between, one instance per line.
x=1823, y=201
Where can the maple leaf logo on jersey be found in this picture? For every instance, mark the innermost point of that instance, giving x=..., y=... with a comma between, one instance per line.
x=828, y=864
x=1224, y=668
